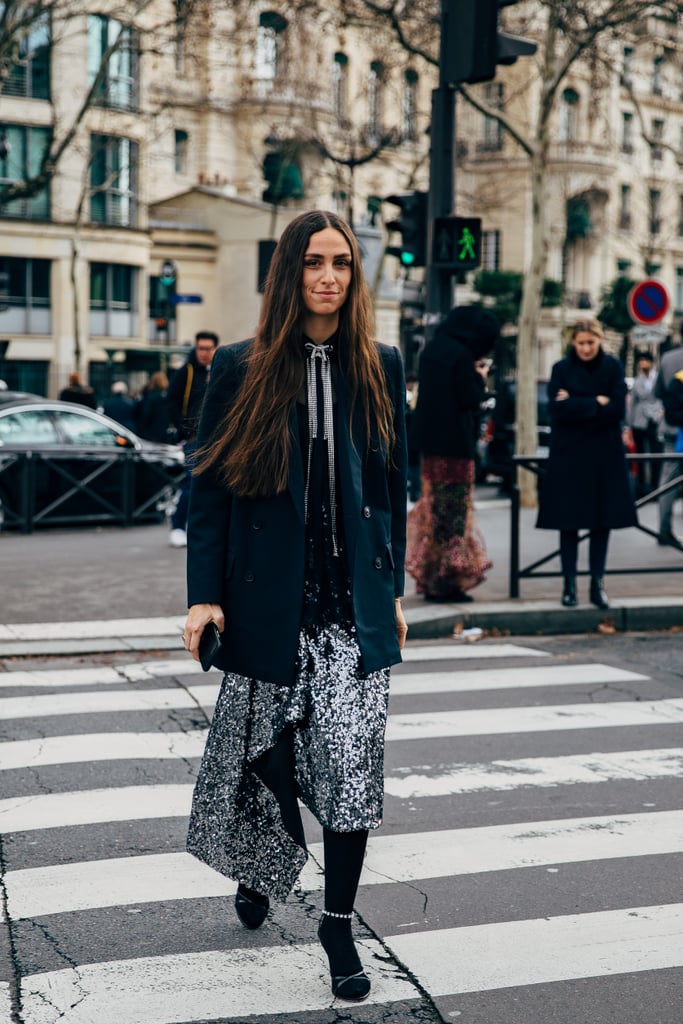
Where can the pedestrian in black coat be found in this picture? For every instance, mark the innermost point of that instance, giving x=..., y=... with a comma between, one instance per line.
x=586, y=486
x=152, y=413
x=296, y=540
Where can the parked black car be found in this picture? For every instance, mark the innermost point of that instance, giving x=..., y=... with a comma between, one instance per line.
x=497, y=445
x=62, y=463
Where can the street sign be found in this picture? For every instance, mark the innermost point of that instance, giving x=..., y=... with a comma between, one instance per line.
x=176, y=299
x=648, y=302
x=648, y=335
x=456, y=244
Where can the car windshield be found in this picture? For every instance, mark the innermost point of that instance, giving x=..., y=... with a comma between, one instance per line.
x=83, y=429
x=28, y=426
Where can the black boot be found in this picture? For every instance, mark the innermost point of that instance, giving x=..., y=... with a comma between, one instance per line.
x=597, y=594
x=569, y=592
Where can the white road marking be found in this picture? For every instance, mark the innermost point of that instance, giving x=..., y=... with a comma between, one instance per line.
x=102, y=746
x=562, y=717
x=109, y=702
x=512, y=954
x=62, y=810
x=566, y=770
x=214, y=985
x=509, y=678
x=407, y=857
x=163, y=626
x=462, y=652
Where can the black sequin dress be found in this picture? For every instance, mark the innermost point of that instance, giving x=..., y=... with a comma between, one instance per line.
x=337, y=713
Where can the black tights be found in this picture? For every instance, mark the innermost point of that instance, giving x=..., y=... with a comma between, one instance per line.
x=344, y=851
x=597, y=551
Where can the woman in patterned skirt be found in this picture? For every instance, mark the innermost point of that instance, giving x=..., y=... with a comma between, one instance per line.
x=446, y=552
x=296, y=543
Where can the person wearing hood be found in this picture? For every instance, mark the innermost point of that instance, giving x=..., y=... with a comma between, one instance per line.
x=185, y=398
x=586, y=485
x=446, y=552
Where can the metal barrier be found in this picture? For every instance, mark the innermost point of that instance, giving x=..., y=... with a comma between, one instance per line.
x=107, y=492
x=535, y=463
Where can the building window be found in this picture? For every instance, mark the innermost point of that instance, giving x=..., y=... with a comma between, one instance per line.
x=375, y=100
x=654, y=199
x=627, y=132
x=627, y=66
x=625, y=208
x=409, y=105
x=181, y=148
x=181, y=17
x=680, y=216
x=679, y=290
x=623, y=267
x=340, y=87
x=569, y=116
x=113, y=301
x=657, y=76
x=26, y=302
x=118, y=85
x=270, y=40
x=652, y=269
x=490, y=250
x=30, y=71
x=492, y=130
x=656, y=149
x=24, y=150
x=113, y=172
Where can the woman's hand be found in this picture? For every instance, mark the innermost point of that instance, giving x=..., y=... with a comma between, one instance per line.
x=402, y=625
x=199, y=616
x=562, y=395
x=602, y=399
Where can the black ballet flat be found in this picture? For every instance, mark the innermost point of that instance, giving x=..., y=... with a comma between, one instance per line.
x=251, y=907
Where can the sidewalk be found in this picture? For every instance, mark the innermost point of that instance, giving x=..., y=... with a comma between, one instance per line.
x=106, y=590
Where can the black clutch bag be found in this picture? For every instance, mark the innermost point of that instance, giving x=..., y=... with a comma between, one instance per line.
x=209, y=645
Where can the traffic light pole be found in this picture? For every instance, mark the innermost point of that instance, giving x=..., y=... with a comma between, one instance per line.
x=441, y=193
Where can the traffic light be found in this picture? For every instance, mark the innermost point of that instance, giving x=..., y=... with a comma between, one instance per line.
x=457, y=243
x=473, y=45
x=412, y=225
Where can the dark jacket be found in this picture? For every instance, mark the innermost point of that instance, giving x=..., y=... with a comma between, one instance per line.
x=447, y=415
x=185, y=413
x=586, y=485
x=79, y=395
x=153, y=418
x=122, y=409
x=248, y=554
x=673, y=401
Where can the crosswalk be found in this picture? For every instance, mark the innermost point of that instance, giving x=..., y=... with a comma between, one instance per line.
x=533, y=836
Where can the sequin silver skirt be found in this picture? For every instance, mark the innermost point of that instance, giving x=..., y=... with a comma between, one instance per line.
x=338, y=717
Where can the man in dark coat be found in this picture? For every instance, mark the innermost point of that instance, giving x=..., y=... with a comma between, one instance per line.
x=78, y=393
x=671, y=363
x=185, y=397
x=119, y=406
x=586, y=486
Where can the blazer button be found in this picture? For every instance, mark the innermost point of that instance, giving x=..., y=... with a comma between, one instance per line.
x=257, y=524
x=366, y=512
x=249, y=577
x=378, y=563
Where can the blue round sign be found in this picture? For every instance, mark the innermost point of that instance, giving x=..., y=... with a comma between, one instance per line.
x=648, y=302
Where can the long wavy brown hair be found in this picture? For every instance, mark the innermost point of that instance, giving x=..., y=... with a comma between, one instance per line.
x=250, y=450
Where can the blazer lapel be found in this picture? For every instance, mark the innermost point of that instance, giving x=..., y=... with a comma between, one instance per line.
x=295, y=484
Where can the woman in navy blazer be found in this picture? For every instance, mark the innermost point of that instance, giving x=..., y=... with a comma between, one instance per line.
x=296, y=544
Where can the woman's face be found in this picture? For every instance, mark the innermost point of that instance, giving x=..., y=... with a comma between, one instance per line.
x=586, y=345
x=326, y=273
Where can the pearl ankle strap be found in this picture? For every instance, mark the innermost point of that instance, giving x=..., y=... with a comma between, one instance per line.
x=330, y=913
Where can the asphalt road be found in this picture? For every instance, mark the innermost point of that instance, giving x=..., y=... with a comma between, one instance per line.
x=527, y=869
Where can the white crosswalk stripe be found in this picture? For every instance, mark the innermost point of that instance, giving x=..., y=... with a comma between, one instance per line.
x=56, y=735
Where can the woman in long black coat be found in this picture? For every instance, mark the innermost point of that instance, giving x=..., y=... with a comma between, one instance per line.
x=296, y=543
x=587, y=485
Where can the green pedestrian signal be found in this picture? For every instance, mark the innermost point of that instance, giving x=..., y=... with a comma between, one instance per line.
x=456, y=243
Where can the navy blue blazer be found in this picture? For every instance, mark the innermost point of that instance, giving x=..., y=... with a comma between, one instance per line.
x=248, y=554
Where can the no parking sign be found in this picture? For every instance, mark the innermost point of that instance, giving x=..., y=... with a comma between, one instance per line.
x=648, y=302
